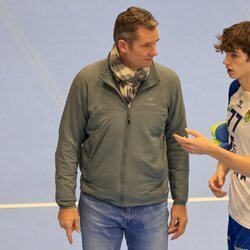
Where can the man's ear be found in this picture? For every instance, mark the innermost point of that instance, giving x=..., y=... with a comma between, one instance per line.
x=122, y=46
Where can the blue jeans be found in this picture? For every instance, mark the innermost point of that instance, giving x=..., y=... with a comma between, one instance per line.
x=103, y=225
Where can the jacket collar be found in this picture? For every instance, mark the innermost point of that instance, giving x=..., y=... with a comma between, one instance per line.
x=153, y=78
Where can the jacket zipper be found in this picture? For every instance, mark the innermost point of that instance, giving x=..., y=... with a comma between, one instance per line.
x=125, y=144
x=124, y=157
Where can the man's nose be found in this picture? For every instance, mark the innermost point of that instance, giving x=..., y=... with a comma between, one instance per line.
x=153, y=52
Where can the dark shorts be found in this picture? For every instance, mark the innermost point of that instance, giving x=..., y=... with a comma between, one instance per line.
x=238, y=237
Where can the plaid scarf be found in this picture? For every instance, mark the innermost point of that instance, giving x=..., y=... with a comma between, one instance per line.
x=128, y=80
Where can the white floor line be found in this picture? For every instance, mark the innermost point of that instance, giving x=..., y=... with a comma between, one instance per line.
x=28, y=205
x=53, y=204
x=207, y=199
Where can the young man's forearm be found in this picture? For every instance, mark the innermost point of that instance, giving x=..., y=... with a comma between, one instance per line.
x=233, y=161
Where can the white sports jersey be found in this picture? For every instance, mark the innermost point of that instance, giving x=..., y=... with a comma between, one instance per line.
x=238, y=117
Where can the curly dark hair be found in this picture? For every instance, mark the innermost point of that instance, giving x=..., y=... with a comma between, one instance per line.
x=235, y=37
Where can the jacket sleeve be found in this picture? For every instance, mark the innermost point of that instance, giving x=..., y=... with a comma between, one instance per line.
x=178, y=159
x=71, y=136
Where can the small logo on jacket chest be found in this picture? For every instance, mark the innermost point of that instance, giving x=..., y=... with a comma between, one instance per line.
x=150, y=101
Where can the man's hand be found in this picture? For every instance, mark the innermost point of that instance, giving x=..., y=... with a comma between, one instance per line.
x=178, y=221
x=69, y=220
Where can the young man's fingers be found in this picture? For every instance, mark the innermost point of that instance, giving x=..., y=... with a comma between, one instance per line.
x=192, y=132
